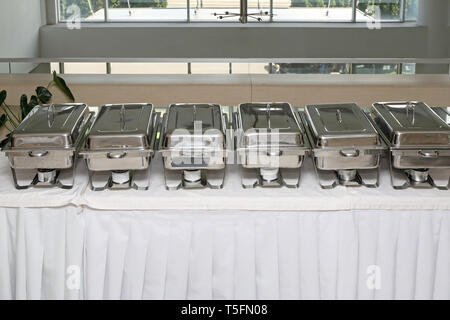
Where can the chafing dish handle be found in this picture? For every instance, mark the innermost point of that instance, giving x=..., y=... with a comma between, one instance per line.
x=274, y=153
x=349, y=153
x=162, y=131
x=429, y=154
x=116, y=155
x=37, y=154
x=154, y=140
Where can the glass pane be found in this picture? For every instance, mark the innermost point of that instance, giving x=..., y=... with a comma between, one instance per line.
x=312, y=10
x=75, y=11
x=310, y=68
x=85, y=68
x=377, y=10
x=28, y=67
x=147, y=10
x=409, y=68
x=411, y=10
x=375, y=68
x=149, y=68
x=258, y=10
x=215, y=10
x=54, y=66
x=250, y=68
x=210, y=68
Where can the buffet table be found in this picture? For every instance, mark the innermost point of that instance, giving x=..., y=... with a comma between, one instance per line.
x=304, y=243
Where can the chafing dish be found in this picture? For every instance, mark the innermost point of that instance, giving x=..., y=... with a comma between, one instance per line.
x=418, y=140
x=346, y=146
x=47, y=141
x=443, y=113
x=120, y=146
x=193, y=146
x=270, y=144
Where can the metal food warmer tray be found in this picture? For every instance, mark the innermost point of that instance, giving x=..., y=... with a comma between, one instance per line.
x=346, y=147
x=120, y=146
x=193, y=145
x=270, y=144
x=419, y=144
x=42, y=150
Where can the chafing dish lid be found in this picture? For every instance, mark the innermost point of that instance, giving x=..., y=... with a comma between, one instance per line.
x=411, y=124
x=337, y=125
x=53, y=126
x=443, y=113
x=270, y=123
x=119, y=126
x=194, y=125
x=184, y=116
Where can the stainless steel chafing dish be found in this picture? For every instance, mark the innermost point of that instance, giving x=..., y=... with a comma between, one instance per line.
x=120, y=145
x=443, y=113
x=346, y=146
x=47, y=141
x=270, y=144
x=419, y=143
x=193, y=146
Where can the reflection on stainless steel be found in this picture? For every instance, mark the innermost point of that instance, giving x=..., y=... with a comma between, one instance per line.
x=269, y=144
x=344, y=142
x=121, y=141
x=193, y=146
x=419, y=140
x=47, y=141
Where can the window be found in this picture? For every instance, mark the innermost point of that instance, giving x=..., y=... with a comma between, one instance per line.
x=313, y=10
x=378, y=10
x=230, y=11
x=85, y=68
x=375, y=68
x=149, y=68
x=82, y=10
x=147, y=10
x=310, y=68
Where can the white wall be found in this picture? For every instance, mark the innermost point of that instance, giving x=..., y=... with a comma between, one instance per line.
x=180, y=40
x=20, y=21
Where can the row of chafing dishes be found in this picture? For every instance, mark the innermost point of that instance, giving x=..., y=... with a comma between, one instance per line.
x=270, y=140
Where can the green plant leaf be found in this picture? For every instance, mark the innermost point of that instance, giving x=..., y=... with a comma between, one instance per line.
x=61, y=84
x=23, y=104
x=2, y=96
x=43, y=94
x=3, y=120
x=26, y=106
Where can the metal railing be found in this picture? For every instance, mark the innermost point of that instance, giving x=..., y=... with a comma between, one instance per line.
x=9, y=64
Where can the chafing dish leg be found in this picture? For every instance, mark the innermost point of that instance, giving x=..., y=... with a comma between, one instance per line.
x=290, y=177
x=173, y=179
x=92, y=184
x=21, y=187
x=330, y=176
x=444, y=184
x=136, y=176
x=398, y=175
x=249, y=178
x=372, y=176
x=215, y=178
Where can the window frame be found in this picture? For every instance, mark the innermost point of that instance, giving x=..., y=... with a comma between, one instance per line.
x=55, y=4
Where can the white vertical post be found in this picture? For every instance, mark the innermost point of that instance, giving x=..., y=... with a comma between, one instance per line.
x=354, y=11
x=106, y=10
x=51, y=11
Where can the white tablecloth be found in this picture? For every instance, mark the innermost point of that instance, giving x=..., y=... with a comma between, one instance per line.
x=231, y=243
